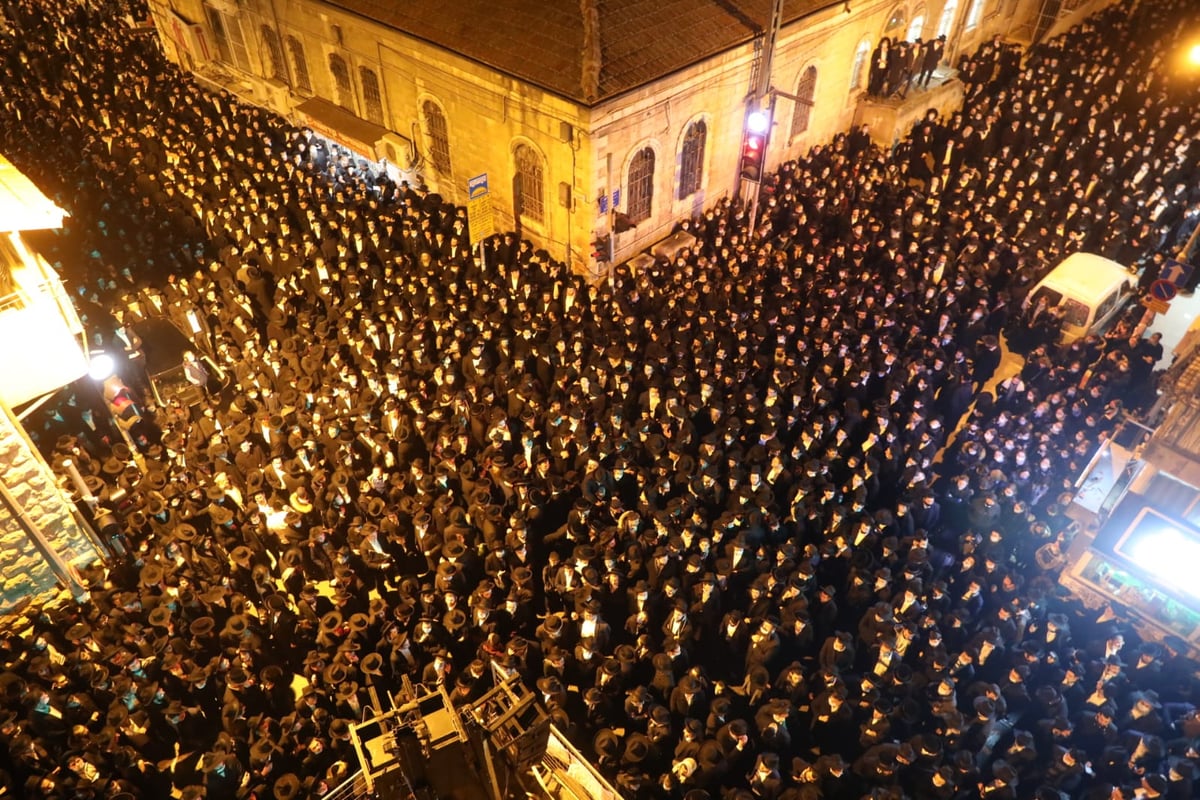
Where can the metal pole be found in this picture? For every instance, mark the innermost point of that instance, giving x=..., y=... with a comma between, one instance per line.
x=138, y=460
x=768, y=52
x=493, y=781
x=80, y=486
x=612, y=210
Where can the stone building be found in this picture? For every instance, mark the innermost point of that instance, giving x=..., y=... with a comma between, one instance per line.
x=574, y=109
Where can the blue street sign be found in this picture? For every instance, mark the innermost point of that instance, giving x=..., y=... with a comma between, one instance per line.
x=477, y=186
x=603, y=204
x=616, y=198
x=1163, y=290
x=1176, y=272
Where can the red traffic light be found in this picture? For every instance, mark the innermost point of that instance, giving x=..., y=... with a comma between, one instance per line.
x=753, y=146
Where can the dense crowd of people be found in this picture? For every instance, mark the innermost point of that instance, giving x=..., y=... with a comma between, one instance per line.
x=712, y=512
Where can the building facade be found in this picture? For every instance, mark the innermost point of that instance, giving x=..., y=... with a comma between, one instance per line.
x=636, y=107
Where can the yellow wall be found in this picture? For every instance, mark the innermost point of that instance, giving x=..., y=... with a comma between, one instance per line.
x=488, y=114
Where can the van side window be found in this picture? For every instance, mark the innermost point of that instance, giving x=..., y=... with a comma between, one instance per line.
x=1107, y=305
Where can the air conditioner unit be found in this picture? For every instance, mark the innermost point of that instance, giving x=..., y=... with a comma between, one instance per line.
x=397, y=149
x=277, y=95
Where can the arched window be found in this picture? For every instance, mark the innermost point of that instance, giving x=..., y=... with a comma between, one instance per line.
x=299, y=65
x=438, y=138
x=342, y=91
x=917, y=26
x=641, y=185
x=372, y=99
x=896, y=21
x=946, y=22
x=272, y=54
x=858, y=73
x=691, y=159
x=530, y=184
x=974, y=14
x=804, y=101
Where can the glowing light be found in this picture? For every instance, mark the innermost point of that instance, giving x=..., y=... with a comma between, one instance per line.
x=101, y=367
x=1168, y=553
x=1194, y=54
x=757, y=122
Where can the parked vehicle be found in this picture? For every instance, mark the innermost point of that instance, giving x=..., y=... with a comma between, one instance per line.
x=1088, y=290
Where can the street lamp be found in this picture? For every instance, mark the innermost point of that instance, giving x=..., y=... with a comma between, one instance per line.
x=101, y=367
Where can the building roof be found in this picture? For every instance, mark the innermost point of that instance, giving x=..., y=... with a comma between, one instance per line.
x=547, y=44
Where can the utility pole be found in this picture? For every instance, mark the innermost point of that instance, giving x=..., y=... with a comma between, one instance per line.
x=760, y=106
x=767, y=54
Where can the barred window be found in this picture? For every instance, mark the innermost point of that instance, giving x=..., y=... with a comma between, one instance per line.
x=372, y=99
x=805, y=93
x=530, y=184
x=299, y=65
x=342, y=92
x=437, y=136
x=641, y=185
x=272, y=54
x=691, y=161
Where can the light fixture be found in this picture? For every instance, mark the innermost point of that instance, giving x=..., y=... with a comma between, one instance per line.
x=757, y=122
x=101, y=367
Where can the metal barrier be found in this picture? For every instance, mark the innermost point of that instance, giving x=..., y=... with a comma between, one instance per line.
x=353, y=788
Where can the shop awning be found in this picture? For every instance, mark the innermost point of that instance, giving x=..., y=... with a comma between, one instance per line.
x=339, y=125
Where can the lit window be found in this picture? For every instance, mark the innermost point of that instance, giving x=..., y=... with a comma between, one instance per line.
x=341, y=80
x=530, y=180
x=917, y=25
x=299, y=65
x=804, y=101
x=974, y=14
x=859, y=72
x=437, y=135
x=372, y=99
x=641, y=185
x=946, y=22
x=691, y=160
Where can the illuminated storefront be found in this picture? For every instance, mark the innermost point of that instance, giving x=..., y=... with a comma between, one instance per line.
x=1139, y=511
x=43, y=539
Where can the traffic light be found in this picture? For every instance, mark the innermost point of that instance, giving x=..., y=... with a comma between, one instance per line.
x=754, y=147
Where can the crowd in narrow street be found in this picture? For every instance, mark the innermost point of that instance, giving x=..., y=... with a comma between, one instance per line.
x=709, y=511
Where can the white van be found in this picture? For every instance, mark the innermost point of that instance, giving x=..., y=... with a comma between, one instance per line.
x=1091, y=290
